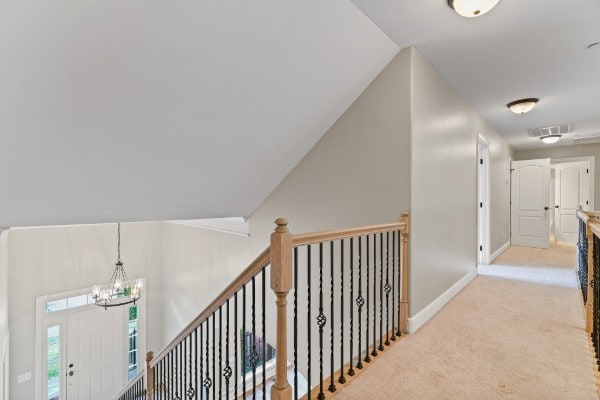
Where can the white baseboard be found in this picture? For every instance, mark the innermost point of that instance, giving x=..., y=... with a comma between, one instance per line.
x=501, y=250
x=417, y=321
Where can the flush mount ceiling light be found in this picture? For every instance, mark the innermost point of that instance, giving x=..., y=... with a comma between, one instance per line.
x=472, y=8
x=550, y=139
x=522, y=106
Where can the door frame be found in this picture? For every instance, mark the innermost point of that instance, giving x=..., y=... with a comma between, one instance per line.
x=483, y=196
x=43, y=320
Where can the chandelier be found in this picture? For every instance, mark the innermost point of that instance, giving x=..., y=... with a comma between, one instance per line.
x=119, y=290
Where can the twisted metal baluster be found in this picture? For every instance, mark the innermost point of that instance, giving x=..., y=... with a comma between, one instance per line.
x=360, y=301
x=321, y=321
x=350, y=369
x=393, y=286
x=331, y=387
x=309, y=316
x=227, y=371
x=367, y=356
x=374, y=352
x=381, y=292
x=342, y=378
x=387, y=289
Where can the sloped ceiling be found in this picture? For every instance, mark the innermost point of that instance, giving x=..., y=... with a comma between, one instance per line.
x=520, y=49
x=152, y=110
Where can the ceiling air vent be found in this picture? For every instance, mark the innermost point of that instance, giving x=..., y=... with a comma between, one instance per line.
x=586, y=140
x=550, y=130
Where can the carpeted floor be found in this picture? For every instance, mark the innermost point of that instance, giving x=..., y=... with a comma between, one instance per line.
x=514, y=333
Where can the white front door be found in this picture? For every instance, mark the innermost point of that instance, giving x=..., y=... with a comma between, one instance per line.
x=95, y=353
x=530, y=203
x=571, y=192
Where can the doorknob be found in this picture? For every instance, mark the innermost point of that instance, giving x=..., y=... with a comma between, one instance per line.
x=70, y=373
x=546, y=208
x=556, y=207
x=71, y=365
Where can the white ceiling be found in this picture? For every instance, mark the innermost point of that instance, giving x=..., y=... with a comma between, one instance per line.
x=532, y=48
x=152, y=110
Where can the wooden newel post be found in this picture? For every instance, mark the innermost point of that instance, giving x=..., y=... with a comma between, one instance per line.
x=149, y=376
x=589, y=306
x=281, y=284
x=403, y=309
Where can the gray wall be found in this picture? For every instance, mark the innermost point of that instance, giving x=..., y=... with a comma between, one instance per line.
x=444, y=185
x=3, y=312
x=583, y=150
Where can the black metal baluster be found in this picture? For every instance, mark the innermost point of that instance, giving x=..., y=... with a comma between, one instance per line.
x=227, y=370
x=309, y=316
x=393, y=285
x=207, y=381
x=398, y=264
x=374, y=352
x=181, y=372
x=220, y=352
x=367, y=356
x=331, y=387
x=171, y=389
x=351, y=308
x=176, y=359
x=360, y=301
x=201, y=374
x=342, y=378
x=243, y=339
x=295, y=323
x=195, y=379
x=387, y=289
x=264, y=335
x=214, y=366
x=235, y=345
x=184, y=370
x=254, y=355
x=381, y=291
x=321, y=321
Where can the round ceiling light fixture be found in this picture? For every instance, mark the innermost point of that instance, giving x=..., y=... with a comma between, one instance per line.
x=550, y=139
x=472, y=8
x=522, y=106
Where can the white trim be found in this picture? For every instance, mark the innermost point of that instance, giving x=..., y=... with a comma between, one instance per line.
x=501, y=250
x=483, y=256
x=418, y=320
x=44, y=319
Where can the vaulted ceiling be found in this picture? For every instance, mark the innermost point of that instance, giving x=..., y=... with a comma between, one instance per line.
x=151, y=110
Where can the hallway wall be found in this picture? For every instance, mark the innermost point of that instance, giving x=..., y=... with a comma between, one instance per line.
x=3, y=313
x=444, y=185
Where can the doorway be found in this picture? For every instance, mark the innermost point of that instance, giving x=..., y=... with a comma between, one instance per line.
x=483, y=200
x=545, y=197
x=84, y=351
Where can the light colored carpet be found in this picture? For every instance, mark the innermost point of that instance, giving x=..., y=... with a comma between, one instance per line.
x=500, y=338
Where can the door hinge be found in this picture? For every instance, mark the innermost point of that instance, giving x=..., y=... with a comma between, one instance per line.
x=587, y=203
x=480, y=248
x=481, y=161
x=587, y=171
x=480, y=205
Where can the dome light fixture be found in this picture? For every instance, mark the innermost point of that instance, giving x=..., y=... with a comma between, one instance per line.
x=472, y=8
x=550, y=139
x=522, y=106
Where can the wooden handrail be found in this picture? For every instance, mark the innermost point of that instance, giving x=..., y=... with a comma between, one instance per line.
x=254, y=268
x=325, y=236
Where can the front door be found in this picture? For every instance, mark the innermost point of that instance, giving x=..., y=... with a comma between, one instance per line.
x=571, y=193
x=530, y=203
x=95, y=353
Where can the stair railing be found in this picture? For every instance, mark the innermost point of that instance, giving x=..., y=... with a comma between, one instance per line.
x=588, y=257
x=238, y=346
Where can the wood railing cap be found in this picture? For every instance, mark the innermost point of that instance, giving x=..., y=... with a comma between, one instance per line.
x=282, y=224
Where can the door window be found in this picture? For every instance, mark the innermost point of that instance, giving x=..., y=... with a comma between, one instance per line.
x=53, y=362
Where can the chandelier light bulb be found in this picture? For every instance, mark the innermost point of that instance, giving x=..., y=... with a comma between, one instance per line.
x=472, y=8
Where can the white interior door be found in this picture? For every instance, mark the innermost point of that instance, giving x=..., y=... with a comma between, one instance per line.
x=571, y=192
x=530, y=203
x=95, y=353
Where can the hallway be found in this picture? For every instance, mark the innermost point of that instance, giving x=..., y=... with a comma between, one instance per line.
x=516, y=332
